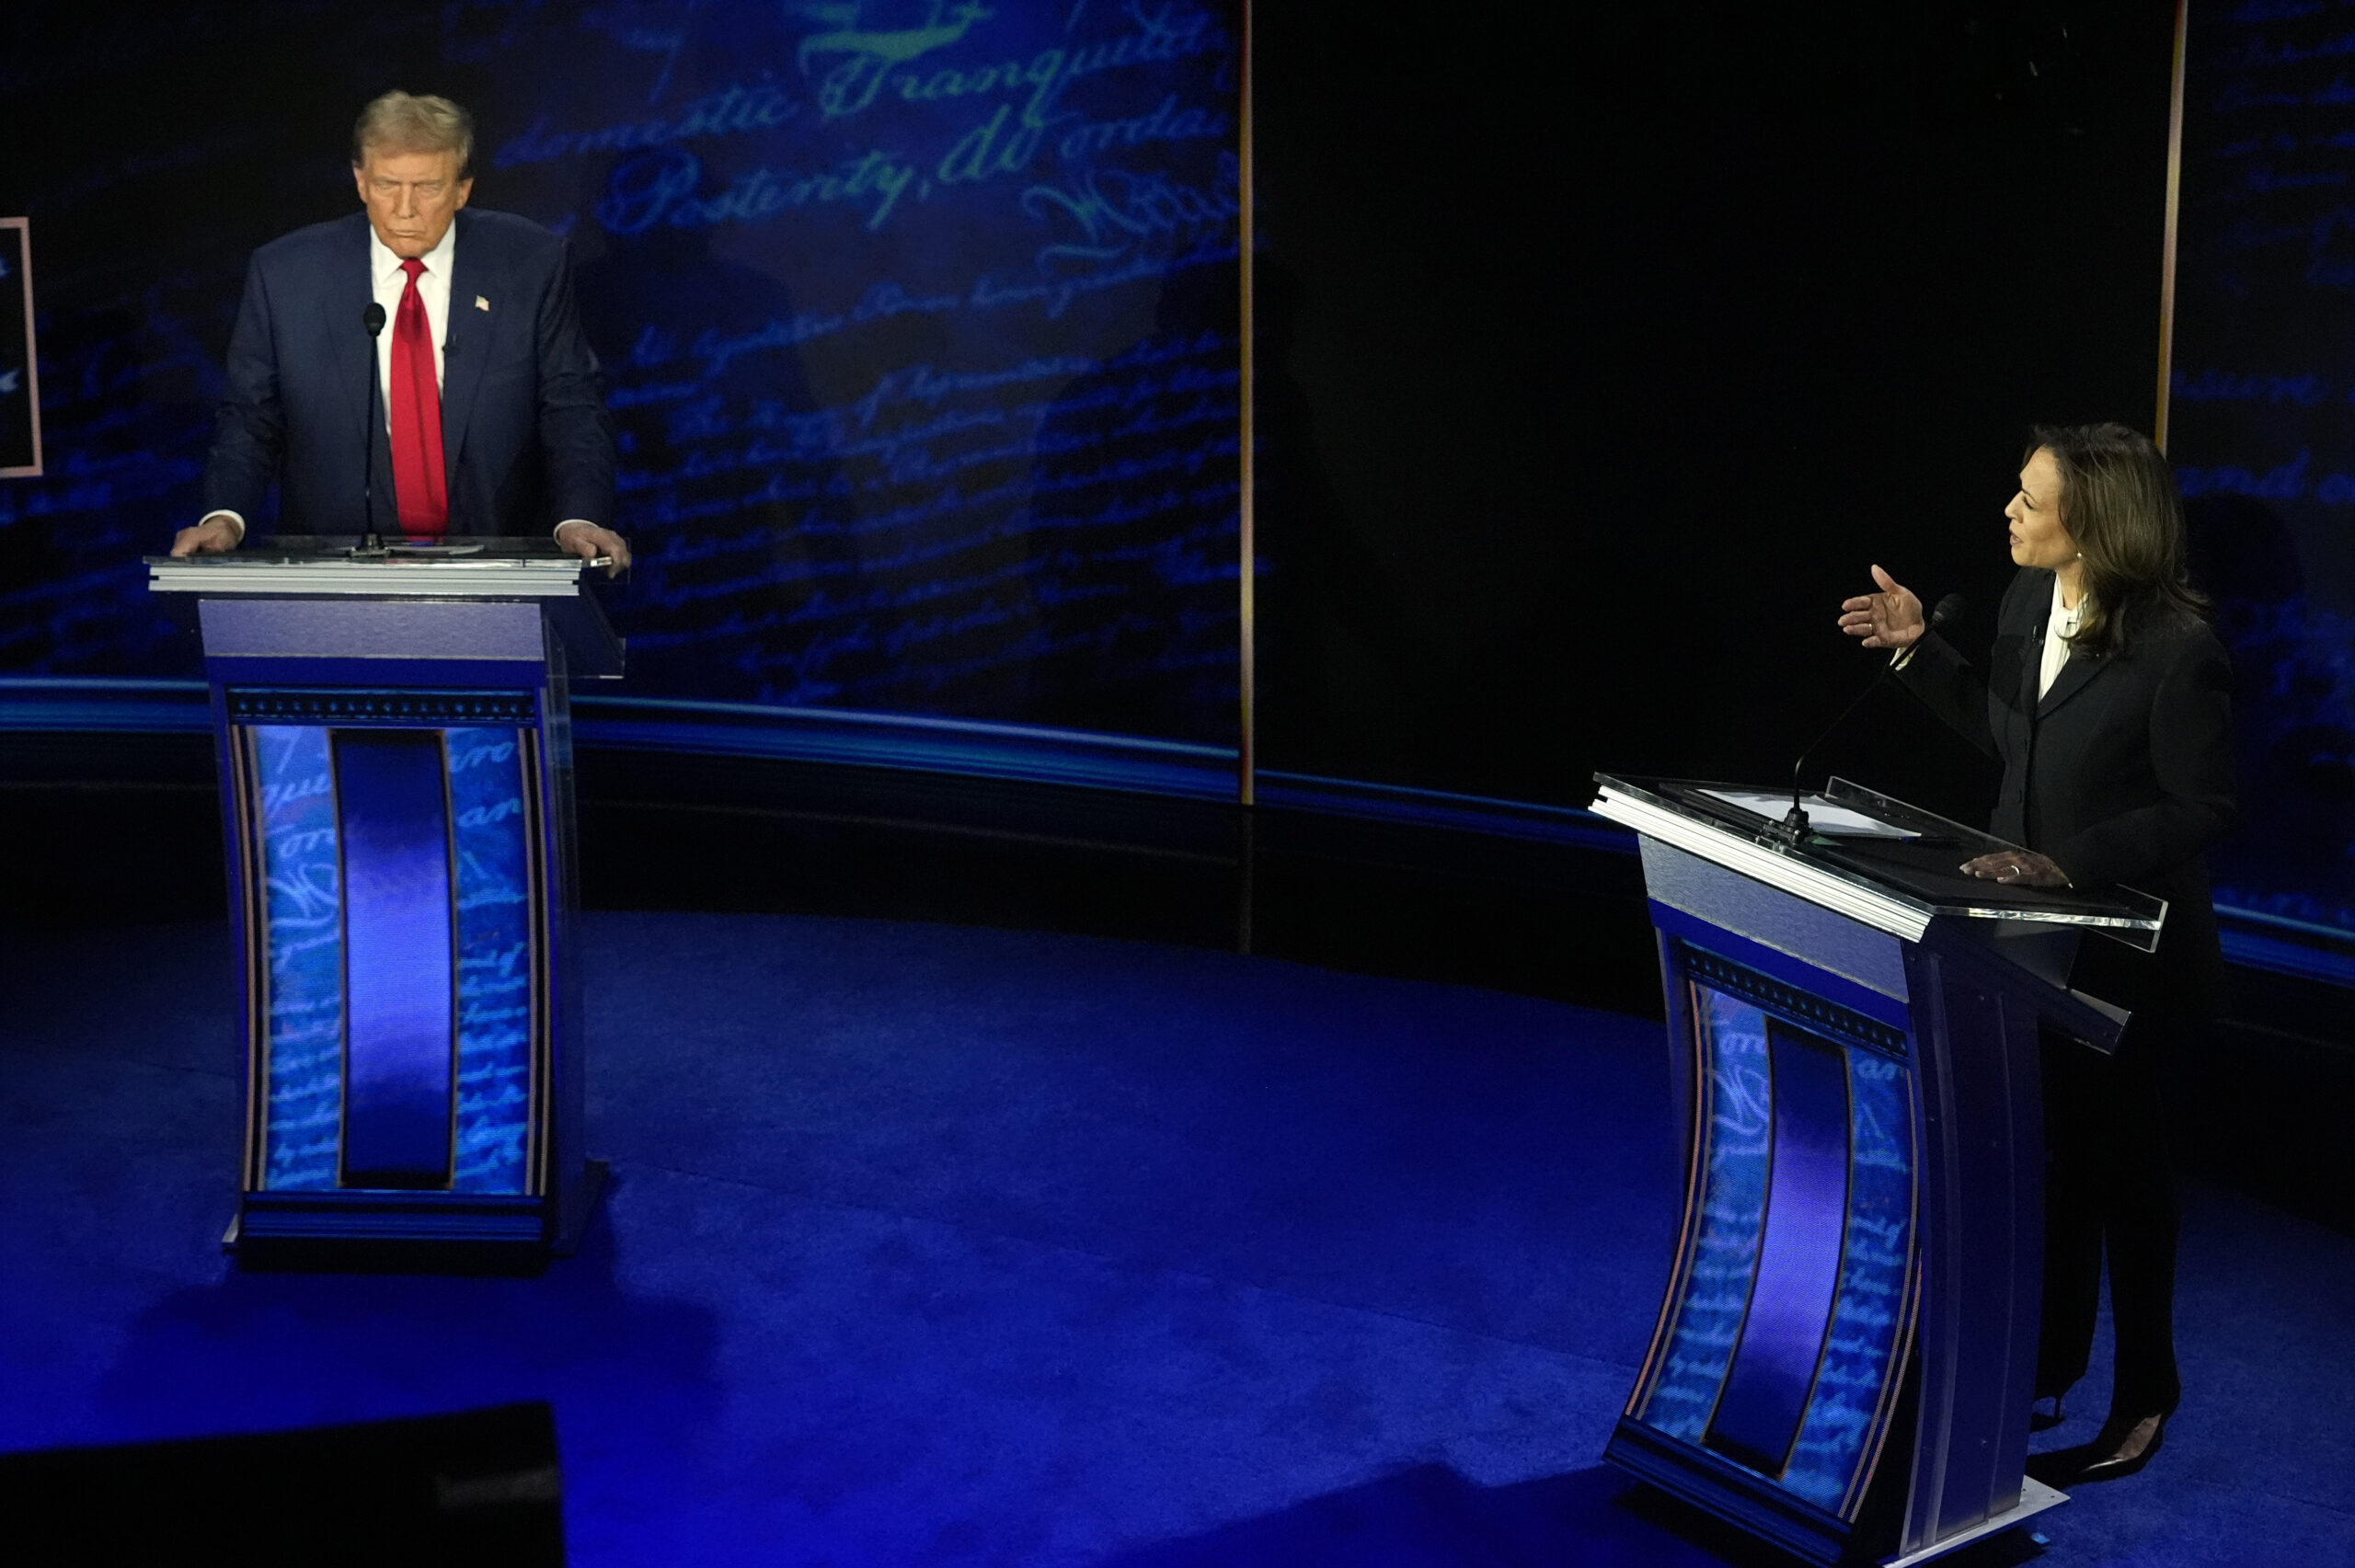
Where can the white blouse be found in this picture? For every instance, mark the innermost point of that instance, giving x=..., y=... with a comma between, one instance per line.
x=2058, y=630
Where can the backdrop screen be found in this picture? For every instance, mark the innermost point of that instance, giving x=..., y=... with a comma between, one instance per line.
x=919, y=323
x=2262, y=430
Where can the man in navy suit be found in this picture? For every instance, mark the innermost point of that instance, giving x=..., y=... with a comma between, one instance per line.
x=489, y=416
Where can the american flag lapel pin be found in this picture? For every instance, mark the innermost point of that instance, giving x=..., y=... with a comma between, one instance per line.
x=481, y=304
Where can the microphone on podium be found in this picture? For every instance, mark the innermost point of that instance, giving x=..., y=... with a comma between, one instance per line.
x=1794, y=828
x=372, y=318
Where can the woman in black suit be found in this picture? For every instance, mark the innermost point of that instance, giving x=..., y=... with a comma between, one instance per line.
x=2108, y=699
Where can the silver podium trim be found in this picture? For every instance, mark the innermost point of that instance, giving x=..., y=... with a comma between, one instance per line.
x=2035, y=1497
x=369, y=579
x=1795, y=874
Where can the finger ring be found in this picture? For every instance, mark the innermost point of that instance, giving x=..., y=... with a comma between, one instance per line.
x=2016, y=868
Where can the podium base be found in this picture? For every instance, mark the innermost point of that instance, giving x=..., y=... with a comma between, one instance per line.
x=404, y=1232
x=2035, y=1498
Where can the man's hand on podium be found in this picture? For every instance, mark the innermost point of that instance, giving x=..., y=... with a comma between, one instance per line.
x=1889, y=619
x=2018, y=868
x=589, y=542
x=216, y=535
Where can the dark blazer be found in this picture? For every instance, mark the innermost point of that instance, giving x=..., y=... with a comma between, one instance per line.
x=524, y=431
x=2122, y=774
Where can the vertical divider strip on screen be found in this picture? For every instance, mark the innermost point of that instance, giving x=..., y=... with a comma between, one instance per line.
x=24, y=227
x=2167, y=245
x=1246, y=641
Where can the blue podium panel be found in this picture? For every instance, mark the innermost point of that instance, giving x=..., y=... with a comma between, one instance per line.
x=396, y=929
x=1784, y=1330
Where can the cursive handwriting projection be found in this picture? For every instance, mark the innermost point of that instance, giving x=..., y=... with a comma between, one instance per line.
x=1015, y=536
x=1721, y=1250
x=918, y=319
x=2262, y=430
x=668, y=187
x=738, y=109
x=1875, y=1266
x=125, y=445
x=302, y=932
x=493, y=856
x=927, y=371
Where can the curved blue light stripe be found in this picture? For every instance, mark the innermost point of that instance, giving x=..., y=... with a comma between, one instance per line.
x=397, y=950
x=1773, y=1368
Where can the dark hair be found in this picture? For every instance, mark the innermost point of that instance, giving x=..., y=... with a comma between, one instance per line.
x=2118, y=502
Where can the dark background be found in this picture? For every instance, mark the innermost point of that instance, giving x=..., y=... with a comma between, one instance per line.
x=1618, y=350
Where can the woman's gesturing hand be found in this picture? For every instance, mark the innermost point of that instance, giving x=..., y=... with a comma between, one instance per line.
x=1890, y=618
x=2018, y=868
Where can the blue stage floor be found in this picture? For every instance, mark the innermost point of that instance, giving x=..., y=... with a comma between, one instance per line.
x=940, y=1245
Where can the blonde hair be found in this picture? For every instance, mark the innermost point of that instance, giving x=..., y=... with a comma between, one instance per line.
x=404, y=123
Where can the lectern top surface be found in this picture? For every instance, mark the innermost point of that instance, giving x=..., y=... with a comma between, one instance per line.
x=325, y=566
x=1895, y=883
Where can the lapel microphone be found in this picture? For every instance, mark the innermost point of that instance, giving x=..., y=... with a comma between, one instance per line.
x=1794, y=828
x=372, y=318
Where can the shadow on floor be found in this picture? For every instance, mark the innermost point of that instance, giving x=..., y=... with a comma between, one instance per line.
x=1433, y=1517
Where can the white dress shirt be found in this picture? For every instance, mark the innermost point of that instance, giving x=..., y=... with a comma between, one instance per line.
x=432, y=288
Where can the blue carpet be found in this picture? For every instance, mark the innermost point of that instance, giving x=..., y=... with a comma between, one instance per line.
x=939, y=1245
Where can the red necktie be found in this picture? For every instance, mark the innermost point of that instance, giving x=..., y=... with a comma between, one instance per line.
x=419, y=485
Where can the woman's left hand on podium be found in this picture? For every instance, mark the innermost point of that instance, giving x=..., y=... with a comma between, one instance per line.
x=2023, y=868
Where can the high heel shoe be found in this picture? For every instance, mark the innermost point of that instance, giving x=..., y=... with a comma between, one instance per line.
x=2125, y=1445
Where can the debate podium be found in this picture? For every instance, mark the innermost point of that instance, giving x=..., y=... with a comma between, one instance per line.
x=1843, y=1359
x=394, y=754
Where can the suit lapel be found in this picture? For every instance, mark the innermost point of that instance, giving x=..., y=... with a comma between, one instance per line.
x=465, y=345
x=345, y=332
x=2032, y=661
x=2076, y=675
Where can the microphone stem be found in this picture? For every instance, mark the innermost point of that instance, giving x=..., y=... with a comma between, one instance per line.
x=373, y=320
x=1792, y=829
x=368, y=540
x=1793, y=826
x=1800, y=766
